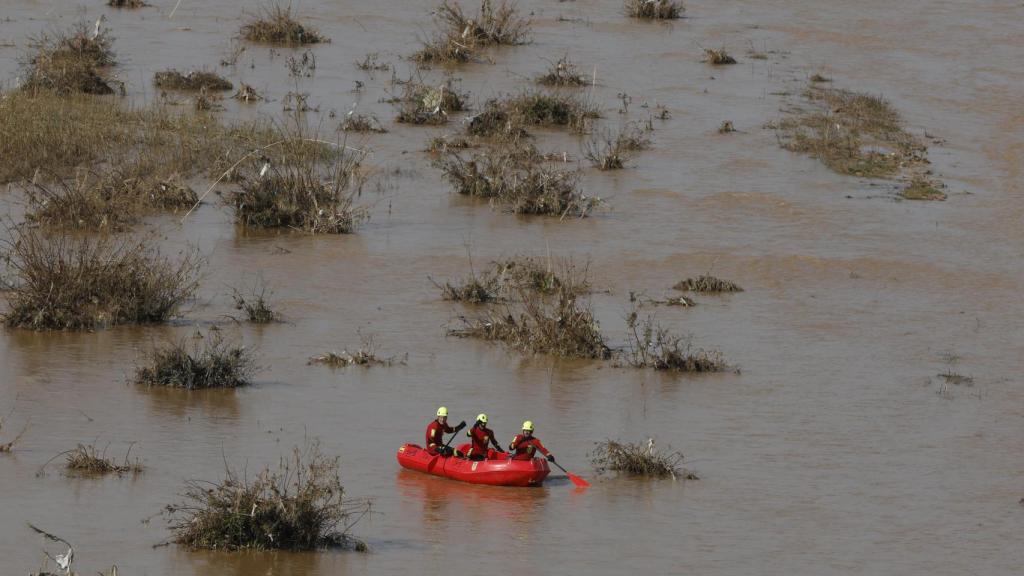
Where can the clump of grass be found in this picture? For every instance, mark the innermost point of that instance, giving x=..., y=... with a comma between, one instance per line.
x=255, y=305
x=707, y=283
x=362, y=123
x=371, y=63
x=365, y=355
x=851, y=133
x=112, y=200
x=87, y=460
x=69, y=62
x=443, y=144
x=504, y=279
x=516, y=178
x=208, y=362
x=921, y=188
x=610, y=151
x=474, y=289
x=557, y=323
x=247, y=93
x=726, y=127
x=651, y=346
x=553, y=109
x=718, y=57
x=654, y=9
x=275, y=24
x=421, y=103
x=639, y=460
x=563, y=73
x=7, y=446
x=81, y=283
x=459, y=36
x=126, y=3
x=306, y=194
x=192, y=80
x=496, y=121
x=299, y=505
x=819, y=78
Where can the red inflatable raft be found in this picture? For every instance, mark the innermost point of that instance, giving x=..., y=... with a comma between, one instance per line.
x=497, y=472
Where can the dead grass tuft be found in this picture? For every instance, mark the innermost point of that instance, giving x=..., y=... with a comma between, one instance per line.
x=82, y=283
x=563, y=73
x=193, y=80
x=921, y=188
x=609, y=151
x=362, y=123
x=87, y=460
x=247, y=93
x=639, y=460
x=553, y=109
x=726, y=127
x=254, y=304
x=275, y=24
x=651, y=346
x=69, y=62
x=421, y=103
x=459, y=36
x=126, y=3
x=707, y=283
x=208, y=362
x=371, y=63
x=7, y=446
x=654, y=9
x=718, y=57
x=365, y=355
x=299, y=505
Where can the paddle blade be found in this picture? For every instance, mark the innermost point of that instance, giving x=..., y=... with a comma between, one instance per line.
x=577, y=480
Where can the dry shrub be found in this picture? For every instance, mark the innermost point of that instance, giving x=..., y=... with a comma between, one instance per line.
x=424, y=104
x=81, y=283
x=706, y=283
x=126, y=3
x=718, y=57
x=726, y=127
x=365, y=355
x=87, y=460
x=639, y=460
x=497, y=122
x=113, y=200
x=247, y=93
x=563, y=73
x=554, y=323
x=851, y=133
x=275, y=24
x=654, y=9
x=553, y=109
x=609, y=151
x=473, y=289
x=651, y=346
x=443, y=144
x=515, y=177
x=69, y=62
x=208, y=362
x=362, y=123
x=459, y=36
x=307, y=193
x=921, y=188
x=504, y=279
x=254, y=304
x=299, y=505
x=371, y=64
x=192, y=80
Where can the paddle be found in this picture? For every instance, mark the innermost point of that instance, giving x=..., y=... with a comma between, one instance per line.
x=575, y=479
x=455, y=433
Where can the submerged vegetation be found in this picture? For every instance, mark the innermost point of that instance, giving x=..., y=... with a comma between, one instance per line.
x=87, y=460
x=65, y=282
x=254, y=304
x=192, y=80
x=851, y=133
x=421, y=103
x=609, y=151
x=651, y=346
x=459, y=36
x=504, y=279
x=7, y=446
x=275, y=24
x=365, y=356
x=69, y=62
x=299, y=505
x=921, y=188
x=208, y=362
x=718, y=57
x=563, y=73
x=707, y=283
x=639, y=460
x=654, y=9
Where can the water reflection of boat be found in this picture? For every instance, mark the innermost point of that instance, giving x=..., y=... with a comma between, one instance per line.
x=477, y=503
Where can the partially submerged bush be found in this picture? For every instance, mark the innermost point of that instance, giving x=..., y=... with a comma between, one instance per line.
x=610, y=151
x=126, y=3
x=459, y=36
x=921, y=188
x=69, y=62
x=424, y=104
x=518, y=180
x=362, y=123
x=365, y=356
x=654, y=9
x=82, y=283
x=718, y=57
x=707, y=283
x=300, y=505
x=276, y=25
x=553, y=109
x=254, y=304
x=208, y=362
x=563, y=73
x=639, y=460
x=474, y=289
x=307, y=194
x=651, y=346
x=87, y=460
x=443, y=144
x=851, y=133
x=192, y=80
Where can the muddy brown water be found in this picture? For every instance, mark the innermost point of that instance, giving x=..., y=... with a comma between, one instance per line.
x=836, y=450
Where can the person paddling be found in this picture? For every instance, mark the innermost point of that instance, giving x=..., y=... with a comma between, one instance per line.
x=436, y=431
x=481, y=437
x=525, y=445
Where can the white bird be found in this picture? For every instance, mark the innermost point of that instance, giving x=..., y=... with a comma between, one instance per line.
x=650, y=446
x=64, y=560
x=99, y=22
x=266, y=166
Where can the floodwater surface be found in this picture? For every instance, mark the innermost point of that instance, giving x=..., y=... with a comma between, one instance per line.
x=835, y=449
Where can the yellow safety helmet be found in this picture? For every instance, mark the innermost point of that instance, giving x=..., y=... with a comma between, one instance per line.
x=442, y=411
x=528, y=425
x=481, y=418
